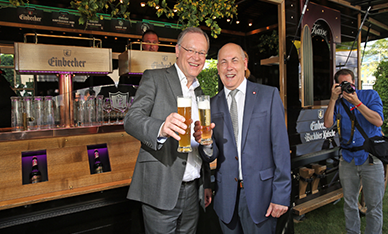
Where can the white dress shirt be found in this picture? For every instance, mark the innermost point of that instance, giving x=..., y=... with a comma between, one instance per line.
x=194, y=161
x=240, y=99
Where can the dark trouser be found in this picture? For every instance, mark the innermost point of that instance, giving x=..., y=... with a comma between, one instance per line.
x=242, y=221
x=182, y=219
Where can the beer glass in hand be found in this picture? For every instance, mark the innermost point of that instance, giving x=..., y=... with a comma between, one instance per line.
x=204, y=118
x=184, y=109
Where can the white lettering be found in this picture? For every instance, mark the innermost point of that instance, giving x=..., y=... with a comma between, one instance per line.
x=318, y=31
x=30, y=18
x=314, y=126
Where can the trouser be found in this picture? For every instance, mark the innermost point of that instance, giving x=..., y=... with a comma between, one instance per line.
x=242, y=221
x=372, y=179
x=182, y=219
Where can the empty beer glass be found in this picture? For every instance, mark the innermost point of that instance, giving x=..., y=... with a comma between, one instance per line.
x=90, y=114
x=205, y=119
x=49, y=118
x=16, y=114
x=28, y=108
x=184, y=109
x=99, y=109
x=39, y=112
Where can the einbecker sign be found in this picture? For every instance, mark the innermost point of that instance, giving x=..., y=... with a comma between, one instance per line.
x=36, y=58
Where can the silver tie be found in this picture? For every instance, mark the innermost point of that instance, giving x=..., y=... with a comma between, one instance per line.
x=234, y=113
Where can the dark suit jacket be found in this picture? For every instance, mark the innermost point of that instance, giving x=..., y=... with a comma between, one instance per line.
x=159, y=168
x=266, y=161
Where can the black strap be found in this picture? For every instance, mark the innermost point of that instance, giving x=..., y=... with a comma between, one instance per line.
x=359, y=129
x=352, y=116
x=353, y=120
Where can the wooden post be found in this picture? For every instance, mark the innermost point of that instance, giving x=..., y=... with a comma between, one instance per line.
x=319, y=170
x=306, y=173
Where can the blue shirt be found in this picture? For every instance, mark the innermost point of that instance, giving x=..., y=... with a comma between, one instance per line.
x=372, y=100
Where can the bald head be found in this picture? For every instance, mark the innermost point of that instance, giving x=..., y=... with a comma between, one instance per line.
x=232, y=64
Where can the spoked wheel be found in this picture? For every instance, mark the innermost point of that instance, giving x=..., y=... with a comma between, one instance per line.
x=361, y=202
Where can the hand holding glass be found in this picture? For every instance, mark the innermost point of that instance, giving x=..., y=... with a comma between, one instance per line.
x=184, y=109
x=205, y=119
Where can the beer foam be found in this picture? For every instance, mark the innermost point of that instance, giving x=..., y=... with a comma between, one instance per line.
x=184, y=102
x=204, y=105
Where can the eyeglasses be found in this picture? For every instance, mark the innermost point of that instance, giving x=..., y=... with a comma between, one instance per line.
x=192, y=52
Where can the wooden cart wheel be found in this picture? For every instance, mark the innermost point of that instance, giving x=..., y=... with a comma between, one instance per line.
x=361, y=202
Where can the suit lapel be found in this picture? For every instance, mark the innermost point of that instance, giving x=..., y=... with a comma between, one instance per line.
x=171, y=76
x=222, y=106
x=250, y=100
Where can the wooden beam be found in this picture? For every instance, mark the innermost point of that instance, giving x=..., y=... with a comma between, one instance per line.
x=377, y=23
x=346, y=4
x=380, y=6
x=374, y=32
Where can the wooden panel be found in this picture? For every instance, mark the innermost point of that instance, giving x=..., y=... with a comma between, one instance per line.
x=67, y=167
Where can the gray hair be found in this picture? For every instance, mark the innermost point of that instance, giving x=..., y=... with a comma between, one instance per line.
x=193, y=30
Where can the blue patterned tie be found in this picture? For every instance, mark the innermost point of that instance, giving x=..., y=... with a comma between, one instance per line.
x=234, y=113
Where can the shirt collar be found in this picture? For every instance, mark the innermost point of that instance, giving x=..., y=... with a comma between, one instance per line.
x=242, y=88
x=183, y=78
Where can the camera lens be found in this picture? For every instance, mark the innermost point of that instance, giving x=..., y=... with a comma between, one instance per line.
x=347, y=87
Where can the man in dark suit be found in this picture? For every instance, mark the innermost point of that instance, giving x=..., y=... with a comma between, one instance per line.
x=169, y=184
x=250, y=142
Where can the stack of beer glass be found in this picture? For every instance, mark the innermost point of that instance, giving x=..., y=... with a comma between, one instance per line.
x=32, y=113
x=88, y=110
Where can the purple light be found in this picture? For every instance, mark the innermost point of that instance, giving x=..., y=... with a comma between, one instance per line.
x=63, y=72
x=135, y=73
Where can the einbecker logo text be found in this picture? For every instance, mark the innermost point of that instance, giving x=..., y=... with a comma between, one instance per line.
x=54, y=62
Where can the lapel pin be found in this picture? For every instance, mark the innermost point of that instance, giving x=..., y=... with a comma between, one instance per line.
x=254, y=93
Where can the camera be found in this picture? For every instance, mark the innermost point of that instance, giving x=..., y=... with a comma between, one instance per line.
x=347, y=87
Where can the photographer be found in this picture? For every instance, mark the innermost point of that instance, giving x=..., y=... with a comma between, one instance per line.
x=354, y=167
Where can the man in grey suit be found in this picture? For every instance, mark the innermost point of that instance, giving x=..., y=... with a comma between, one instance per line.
x=250, y=142
x=170, y=185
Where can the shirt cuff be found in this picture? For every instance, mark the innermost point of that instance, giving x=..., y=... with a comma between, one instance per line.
x=159, y=139
x=208, y=150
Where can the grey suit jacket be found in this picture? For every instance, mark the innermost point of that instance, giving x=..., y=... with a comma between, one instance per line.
x=159, y=168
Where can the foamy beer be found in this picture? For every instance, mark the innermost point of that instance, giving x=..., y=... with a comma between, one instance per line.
x=204, y=118
x=184, y=109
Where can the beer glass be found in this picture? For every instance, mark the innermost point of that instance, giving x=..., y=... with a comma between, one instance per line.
x=184, y=109
x=16, y=114
x=29, y=110
x=205, y=119
x=49, y=120
x=39, y=112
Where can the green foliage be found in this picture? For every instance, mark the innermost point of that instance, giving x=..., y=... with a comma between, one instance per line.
x=345, y=46
x=7, y=60
x=88, y=9
x=208, y=79
x=381, y=86
x=379, y=47
x=192, y=12
x=269, y=43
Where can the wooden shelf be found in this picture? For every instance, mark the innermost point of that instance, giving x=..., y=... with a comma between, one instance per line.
x=62, y=194
x=270, y=61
